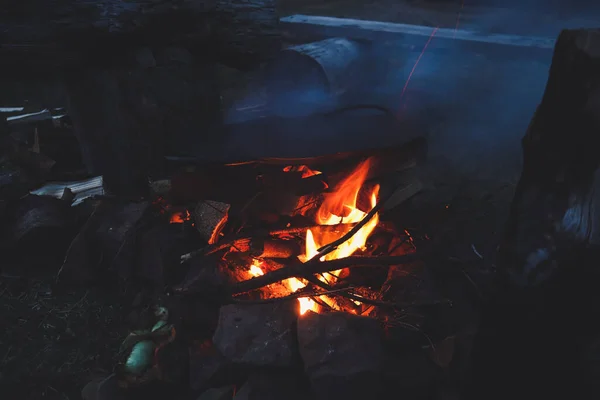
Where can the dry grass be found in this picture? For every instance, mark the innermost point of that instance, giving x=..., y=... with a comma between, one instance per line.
x=51, y=344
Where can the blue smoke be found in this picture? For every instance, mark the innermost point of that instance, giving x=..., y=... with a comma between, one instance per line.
x=476, y=101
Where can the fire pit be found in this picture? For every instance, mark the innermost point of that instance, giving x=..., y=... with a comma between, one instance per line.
x=296, y=259
x=305, y=280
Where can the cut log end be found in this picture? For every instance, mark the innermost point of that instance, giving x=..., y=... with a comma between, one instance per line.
x=210, y=218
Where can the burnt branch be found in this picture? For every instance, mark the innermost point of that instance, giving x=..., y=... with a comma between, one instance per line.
x=245, y=236
x=296, y=295
x=314, y=266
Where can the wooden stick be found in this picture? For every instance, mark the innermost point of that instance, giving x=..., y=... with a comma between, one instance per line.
x=314, y=266
x=296, y=295
x=324, y=250
x=229, y=241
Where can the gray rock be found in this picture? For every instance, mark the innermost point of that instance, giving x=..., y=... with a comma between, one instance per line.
x=257, y=335
x=273, y=385
x=342, y=353
x=222, y=393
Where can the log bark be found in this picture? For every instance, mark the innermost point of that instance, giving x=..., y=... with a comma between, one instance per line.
x=60, y=33
x=538, y=323
x=128, y=124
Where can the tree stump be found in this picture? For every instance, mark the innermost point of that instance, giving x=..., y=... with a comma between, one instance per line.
x=541, y=318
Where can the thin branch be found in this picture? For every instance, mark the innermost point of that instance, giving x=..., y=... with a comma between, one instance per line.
x=230, y=241
x=314, y=266
x=336, y=243
x=295, y=295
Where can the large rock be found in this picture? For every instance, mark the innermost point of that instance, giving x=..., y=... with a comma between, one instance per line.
x=273, y=385
x=343, y=354
x=257, y=335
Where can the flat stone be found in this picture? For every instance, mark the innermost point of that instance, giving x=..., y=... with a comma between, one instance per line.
x=274, y=385
x=222, y=393
x=257, y=334
x=343, y=354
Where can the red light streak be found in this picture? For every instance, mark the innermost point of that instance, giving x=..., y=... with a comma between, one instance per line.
x=462, y=5
x=417, y=62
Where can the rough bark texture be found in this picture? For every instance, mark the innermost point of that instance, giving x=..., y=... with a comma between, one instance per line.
x=538, y=327
x=125, y=118
x=70, y=32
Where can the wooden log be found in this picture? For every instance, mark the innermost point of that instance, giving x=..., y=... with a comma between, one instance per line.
x=538, y=322
x=42, y=34
x=300, y=140
x=355, y=29
x=312, y=74
x=210, y=218
x=127, y=126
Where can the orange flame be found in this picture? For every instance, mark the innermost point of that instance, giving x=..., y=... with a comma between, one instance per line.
x=180, y=217
x=339, y=207
x=291, y=284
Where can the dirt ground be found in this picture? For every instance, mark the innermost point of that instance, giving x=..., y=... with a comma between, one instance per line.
x=52, y=343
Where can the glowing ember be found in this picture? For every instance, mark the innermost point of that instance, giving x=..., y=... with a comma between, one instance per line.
x=306, y=303
x=180, y=217
x=255, y=270
x=306, y=172
x=291, y=284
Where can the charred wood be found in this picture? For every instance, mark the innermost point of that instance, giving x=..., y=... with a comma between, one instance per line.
x=210, y=217
x=315, y=266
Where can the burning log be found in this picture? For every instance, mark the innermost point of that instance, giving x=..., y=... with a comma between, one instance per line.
x=314, y=266
x=267, y=248
x=257, y=335
x=549, y=255
x=342, y=354
x=58, y=34
x=243, y=240
x=211, y=217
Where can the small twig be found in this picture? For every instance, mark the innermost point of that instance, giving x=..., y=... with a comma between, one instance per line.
x=334, y=245
x=478, y=254
x=314, y=266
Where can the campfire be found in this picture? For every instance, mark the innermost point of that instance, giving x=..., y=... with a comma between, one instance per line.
x=339, y=211
x=249, y=267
